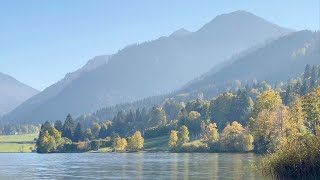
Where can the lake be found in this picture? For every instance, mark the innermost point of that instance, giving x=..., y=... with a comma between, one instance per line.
x=127, y=166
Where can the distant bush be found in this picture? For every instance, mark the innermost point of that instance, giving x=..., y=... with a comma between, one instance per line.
x=196, y=146
x=77, y=147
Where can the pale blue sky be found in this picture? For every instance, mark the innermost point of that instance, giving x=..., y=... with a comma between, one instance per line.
x=41, y=41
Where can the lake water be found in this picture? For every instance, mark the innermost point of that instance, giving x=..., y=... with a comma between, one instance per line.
x=127, y=166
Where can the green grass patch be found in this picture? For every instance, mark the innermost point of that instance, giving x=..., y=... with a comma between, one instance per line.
x=15, y=147
x=17, y=143
x=159, y=143
x=18, y=138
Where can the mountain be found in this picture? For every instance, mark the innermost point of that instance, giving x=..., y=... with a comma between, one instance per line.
x=277, y=61
x=36, y=101
x=13, y=93
x=151, y=68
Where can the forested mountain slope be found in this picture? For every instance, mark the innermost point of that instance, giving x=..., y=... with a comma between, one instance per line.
x=275, y=62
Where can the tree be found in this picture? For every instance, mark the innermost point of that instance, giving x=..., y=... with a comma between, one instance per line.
x=311, y=107
x=268, y=100
x=193, y=122
x=210, y=133
x=103, y=131
x=46, y=143
x=173, y=139
x=313, y=77
x=78, y=133
x=88, y=134
x=121, y=144
x=198, y=105
x=307, y=72
x=241, y=107
x=220, y=109
x=95, y=129
x=49, y=139
x=172, y=109
x=115, y=138
x=296, y=119
x=236, y=139
x=269, y=128
x=68, y=127
x=136, y=142
x=58, y=125
x=158, y=117
x=183, y=135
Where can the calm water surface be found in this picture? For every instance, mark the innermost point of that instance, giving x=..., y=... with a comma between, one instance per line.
x=127, y=166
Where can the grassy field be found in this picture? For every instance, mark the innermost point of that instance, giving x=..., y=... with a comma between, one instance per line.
x=17, y=143
x=156, y=144
x=18, y=138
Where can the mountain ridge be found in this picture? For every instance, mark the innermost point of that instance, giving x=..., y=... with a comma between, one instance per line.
x=142, y=70
x=13, y=93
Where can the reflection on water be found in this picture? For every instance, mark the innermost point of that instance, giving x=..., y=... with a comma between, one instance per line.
x=127, y=166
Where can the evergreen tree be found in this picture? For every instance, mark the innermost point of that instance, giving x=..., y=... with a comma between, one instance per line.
x=46, y=127
x=78, y=133
x=68, y=128
x=220, y=109
x=307, y=72
x=313, y=77
x=240, y=107
x=103, y=131
x=58, y=125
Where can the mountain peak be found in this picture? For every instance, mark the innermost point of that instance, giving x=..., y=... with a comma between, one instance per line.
x=240, y=22
x=180, y=33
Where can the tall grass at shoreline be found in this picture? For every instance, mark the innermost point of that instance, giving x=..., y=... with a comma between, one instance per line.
x=297, y=158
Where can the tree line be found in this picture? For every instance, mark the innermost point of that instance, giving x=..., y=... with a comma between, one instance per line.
x=253, y=118
x=68, y=137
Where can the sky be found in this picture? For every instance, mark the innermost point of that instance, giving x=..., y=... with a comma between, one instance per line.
x=42, y=40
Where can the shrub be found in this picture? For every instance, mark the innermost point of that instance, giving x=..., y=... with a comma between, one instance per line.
x=297, y=158
x=196, y=146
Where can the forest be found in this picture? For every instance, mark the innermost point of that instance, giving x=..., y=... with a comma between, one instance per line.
x=256, y=118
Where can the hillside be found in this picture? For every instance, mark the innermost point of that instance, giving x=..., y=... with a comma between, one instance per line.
x=151, y=68
x=13, y=93
x=275, y=62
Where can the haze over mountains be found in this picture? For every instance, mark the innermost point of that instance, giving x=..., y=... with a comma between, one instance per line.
x=276, y=61
x=13, y=93
x=148, y=69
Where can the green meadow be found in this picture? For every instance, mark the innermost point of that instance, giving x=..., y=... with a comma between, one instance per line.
x=17, y=143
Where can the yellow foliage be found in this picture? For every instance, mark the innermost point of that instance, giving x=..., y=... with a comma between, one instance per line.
x=173, y=139
x=136, y=142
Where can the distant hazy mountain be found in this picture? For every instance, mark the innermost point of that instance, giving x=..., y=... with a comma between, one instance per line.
x=277, y=61
x=13, y=93
x=41, y=98
x=150, y=68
